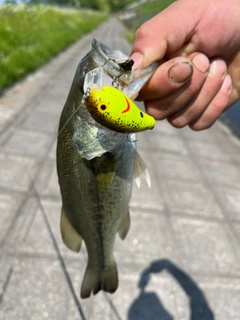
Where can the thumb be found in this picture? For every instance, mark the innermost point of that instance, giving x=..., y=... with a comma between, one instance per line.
x=165, y=33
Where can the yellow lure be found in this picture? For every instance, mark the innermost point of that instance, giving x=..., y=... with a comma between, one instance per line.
x=115, y=110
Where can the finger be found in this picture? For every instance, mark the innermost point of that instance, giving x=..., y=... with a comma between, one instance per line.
x=168, y=78
x=169, y=104
x=233, y=70
x=209, y=90
x=157, y=37
x=173, y=74
x=217, y=106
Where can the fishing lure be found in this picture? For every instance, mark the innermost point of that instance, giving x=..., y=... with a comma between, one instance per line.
x=125, y=66
x=115, y=110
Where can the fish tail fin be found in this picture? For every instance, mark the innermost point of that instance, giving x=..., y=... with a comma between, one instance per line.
x=109, y=279
x=94, y=281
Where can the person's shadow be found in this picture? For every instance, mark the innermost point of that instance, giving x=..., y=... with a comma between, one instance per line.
x=148, y=306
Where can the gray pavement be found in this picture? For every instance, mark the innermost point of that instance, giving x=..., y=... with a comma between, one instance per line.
x=181, y=258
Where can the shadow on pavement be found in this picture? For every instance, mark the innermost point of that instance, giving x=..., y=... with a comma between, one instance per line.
x=148, y=306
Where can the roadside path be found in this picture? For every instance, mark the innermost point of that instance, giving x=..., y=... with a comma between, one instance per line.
x=181, y=259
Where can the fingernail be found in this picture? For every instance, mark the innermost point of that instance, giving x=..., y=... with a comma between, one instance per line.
x=178, y=122
x=218, y=68
x=201, y=62
x=137, y=57
x=227, y=83
x=180, y=72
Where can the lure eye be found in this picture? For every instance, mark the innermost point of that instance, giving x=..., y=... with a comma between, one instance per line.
x=141, y=114
x=103, y=107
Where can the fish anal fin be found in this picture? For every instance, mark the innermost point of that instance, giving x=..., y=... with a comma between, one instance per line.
x=94, y=281
x=69, y=235
x=106, y=174
x=140, y=169
x=124, y=226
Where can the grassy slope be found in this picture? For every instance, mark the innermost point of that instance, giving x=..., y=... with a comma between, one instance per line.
x=31, y=35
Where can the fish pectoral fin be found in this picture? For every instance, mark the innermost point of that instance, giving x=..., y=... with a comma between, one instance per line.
x=94, y=281
x=124, y=226
x=69, y=235
x=106, y=174
x=140, y=169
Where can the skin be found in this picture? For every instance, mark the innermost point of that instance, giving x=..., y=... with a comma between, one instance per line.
x=197, y=44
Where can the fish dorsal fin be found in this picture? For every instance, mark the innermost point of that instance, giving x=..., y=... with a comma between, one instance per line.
x=106, y=173
x=124, y=226
x=140, y=170
x=69, y=235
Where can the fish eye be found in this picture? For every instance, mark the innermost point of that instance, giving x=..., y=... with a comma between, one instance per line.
x=103, y=107
x=141, y=114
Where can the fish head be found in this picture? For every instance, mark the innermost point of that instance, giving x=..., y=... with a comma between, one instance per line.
x=115, y=110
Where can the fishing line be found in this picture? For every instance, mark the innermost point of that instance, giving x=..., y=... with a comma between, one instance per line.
x=64, y=126
x=60, y=258
x=28, y=173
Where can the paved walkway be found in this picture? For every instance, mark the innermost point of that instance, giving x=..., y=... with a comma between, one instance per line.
x=181, y=259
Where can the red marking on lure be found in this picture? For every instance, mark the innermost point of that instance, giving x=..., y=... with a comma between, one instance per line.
x=128, y=106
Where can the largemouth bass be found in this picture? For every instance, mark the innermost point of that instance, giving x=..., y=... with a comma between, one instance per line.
x=95, y=168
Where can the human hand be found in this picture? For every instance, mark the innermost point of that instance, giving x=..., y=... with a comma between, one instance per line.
x=214, y=84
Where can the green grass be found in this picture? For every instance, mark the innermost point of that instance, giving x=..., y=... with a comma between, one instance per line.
x=31, y=35
x=149, y=9
x=145, y=12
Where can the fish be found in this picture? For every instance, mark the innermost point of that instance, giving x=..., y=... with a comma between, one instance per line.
x=95, y=167
x=112, y=108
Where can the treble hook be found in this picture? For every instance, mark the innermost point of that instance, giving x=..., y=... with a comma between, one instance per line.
x=87, y=94
x=124, y=66
x=130, y=139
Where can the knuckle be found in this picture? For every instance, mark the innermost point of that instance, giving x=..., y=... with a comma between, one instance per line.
x=193, y=89
x=157, y=109
x=143, y=31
